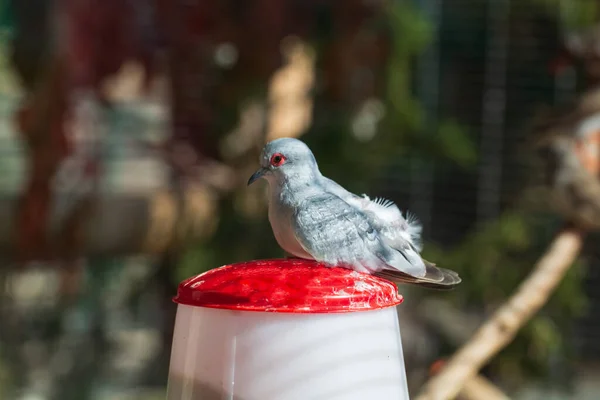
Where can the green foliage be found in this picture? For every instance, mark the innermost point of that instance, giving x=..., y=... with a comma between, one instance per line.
x=455, y=144
x=6, y=378
x=405, y=122
x=482, y=257
x=7, y=20
x=411, y=32
x=575, y=13
x=195, y=260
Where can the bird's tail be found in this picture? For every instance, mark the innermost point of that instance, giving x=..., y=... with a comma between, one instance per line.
x=435, y=277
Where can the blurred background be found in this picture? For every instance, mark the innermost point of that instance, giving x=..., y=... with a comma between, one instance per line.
x=128, y=129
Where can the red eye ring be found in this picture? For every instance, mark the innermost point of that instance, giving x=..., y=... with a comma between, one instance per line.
x=277, y=159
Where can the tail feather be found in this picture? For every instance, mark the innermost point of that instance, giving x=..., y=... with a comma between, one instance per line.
x=435, y=277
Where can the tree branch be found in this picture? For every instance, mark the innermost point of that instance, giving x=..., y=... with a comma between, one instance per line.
x=502, y=327
x=480, y=388
x=475, y=388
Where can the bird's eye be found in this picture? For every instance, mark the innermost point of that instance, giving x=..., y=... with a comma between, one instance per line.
x=277, y=159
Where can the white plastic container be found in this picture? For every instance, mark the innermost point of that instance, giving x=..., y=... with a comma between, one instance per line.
x=286, y=330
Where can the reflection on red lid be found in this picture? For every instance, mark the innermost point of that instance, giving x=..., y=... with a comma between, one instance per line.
x=287, y=285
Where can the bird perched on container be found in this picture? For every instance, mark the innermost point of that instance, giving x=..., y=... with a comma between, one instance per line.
x=313, y=217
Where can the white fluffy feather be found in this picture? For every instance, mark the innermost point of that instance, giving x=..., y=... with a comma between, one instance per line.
x=388, y=214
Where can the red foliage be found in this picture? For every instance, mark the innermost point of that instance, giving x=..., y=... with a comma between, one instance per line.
x=40, y=120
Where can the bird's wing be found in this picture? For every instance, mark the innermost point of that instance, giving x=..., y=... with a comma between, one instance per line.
x=400, y=233
x=385, y=214
x=335, y=232
x=395, y=227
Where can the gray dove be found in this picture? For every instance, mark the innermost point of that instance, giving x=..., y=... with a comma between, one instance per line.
x=314, y=218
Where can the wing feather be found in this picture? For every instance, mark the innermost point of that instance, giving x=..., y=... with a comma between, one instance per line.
x=335, y=232
x=385, y=214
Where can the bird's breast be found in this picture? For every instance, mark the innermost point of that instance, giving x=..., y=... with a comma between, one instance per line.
x=280, y=217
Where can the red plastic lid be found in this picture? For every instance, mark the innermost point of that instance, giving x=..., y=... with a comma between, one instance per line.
x=287, y=285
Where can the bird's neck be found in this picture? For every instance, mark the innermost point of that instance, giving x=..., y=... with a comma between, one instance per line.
x=294, y=188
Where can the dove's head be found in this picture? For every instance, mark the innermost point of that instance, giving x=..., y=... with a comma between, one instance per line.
x=286, y=159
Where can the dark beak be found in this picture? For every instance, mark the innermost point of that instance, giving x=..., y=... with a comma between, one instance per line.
x=256, y=176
